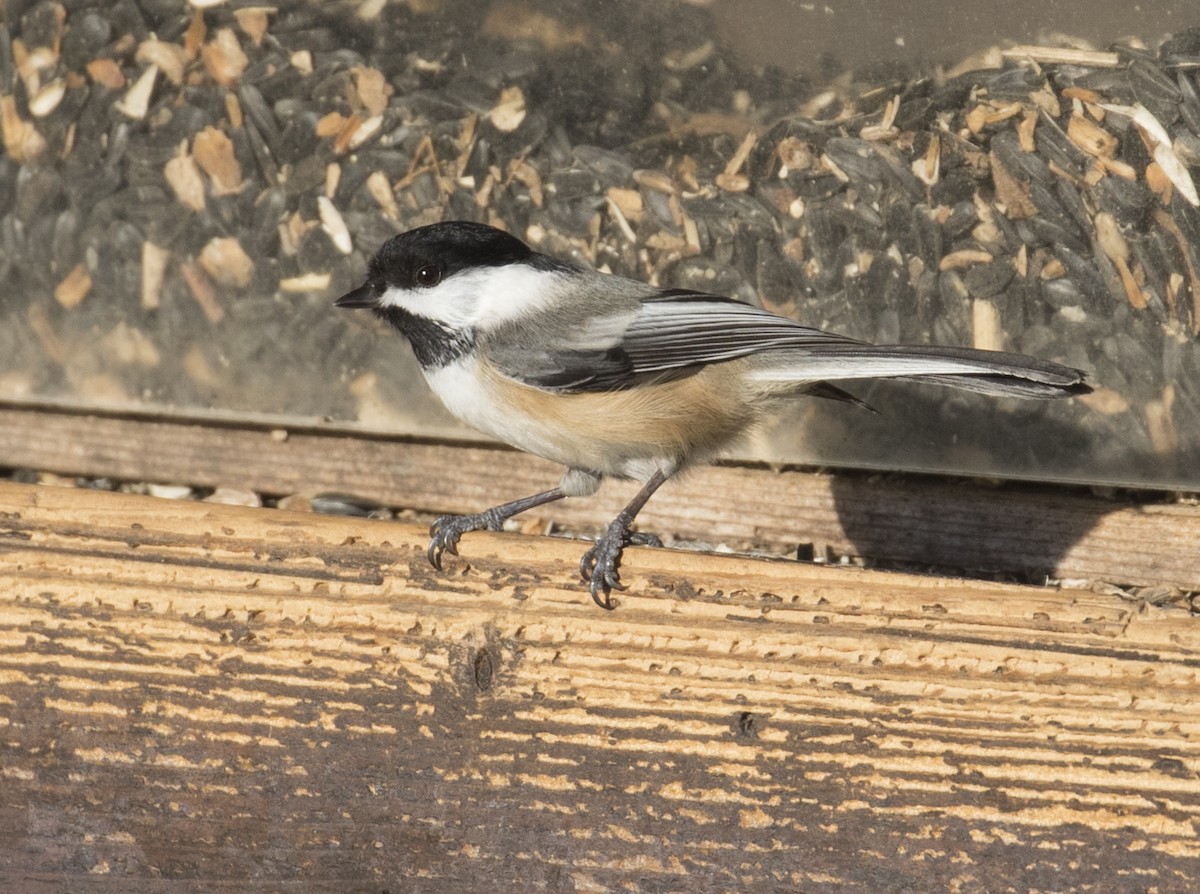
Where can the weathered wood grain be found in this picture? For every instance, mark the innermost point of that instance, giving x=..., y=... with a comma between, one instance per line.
x=198, y=698
x=1031, y=531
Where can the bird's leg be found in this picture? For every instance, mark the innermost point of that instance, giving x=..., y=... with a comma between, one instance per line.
x=447, y=529
x=599, y=564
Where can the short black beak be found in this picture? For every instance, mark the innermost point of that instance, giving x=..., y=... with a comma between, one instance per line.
x=363, y=296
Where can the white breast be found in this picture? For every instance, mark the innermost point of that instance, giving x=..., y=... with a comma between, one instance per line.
x=466, y=394
x=472, y=397
x=628, y=434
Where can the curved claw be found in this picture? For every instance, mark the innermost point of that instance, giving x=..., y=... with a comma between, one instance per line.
x=444, y=533
x=600, y=564
x=601, y=589
x=586, y=563
x=437, y=548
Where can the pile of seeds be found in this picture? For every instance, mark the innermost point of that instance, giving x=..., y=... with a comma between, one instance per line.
x=186, y=187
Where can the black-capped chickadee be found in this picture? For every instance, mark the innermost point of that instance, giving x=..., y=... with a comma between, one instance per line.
x=612, y=377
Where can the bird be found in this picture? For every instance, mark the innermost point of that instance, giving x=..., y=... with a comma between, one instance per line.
x=614, y=378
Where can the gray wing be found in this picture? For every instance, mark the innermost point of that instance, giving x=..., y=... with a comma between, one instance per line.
x=671, y=334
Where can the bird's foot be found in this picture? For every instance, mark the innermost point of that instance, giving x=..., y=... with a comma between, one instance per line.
x=599, y=564
x=447, y=529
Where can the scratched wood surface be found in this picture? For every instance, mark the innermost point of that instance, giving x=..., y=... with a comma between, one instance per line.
x=207, y=698
x=1030, y=532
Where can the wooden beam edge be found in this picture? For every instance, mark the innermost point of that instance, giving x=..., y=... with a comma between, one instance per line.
x=1026, y=531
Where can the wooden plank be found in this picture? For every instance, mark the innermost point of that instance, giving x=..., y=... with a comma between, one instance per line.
x=1030, y=531
x=197, y=697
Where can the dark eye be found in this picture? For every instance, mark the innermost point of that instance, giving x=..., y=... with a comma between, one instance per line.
x=429, y=275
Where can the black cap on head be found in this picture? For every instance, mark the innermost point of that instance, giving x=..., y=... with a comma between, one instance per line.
x=447, y=248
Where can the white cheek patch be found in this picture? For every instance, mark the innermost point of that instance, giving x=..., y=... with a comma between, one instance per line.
x=513, y=291
x=452, y=310
x=483, y=297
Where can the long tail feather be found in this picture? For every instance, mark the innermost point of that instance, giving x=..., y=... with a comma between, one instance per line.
x=986, y=372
